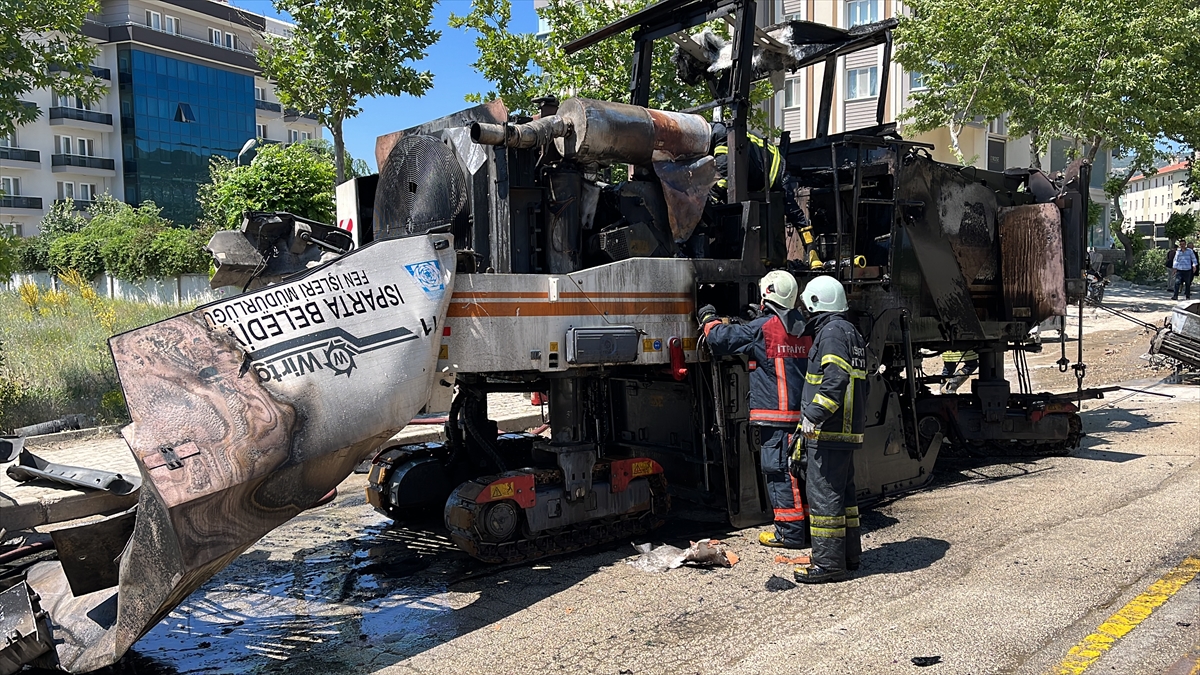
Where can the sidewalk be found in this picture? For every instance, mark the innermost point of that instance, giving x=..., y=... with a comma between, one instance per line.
x=36, y=503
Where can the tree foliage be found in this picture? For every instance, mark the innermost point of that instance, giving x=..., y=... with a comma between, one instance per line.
x=131, y=243
x=1117, y=74
x=523, y=66
x=343, y=50
x=43, y=48
x=297, y=178
x=1181, y=226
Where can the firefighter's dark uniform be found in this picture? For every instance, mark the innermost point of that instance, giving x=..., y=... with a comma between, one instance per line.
x=765, y=160
x=778, y=358
x=835, y=390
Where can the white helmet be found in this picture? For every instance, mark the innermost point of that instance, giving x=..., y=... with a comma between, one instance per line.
x=825, y=294
x=779, y=287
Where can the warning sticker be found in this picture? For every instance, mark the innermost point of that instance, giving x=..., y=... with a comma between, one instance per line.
x=502, y=490
x=642, y=468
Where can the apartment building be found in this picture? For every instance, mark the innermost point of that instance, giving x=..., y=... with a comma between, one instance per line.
x=1150, y=200
x=181, y=85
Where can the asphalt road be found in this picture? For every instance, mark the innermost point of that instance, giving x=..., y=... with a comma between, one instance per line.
x=1001, y=567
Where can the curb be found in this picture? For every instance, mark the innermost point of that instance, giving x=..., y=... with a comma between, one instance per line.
x=73, y=504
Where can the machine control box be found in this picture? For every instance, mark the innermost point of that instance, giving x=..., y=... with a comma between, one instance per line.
x=610, y=344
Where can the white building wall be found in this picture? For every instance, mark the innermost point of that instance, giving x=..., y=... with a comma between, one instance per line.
x=41, y=179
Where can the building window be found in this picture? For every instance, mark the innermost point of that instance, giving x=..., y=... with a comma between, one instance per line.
x=231, y=41
x=260, y=93
x=293, y=135
x=862, y=83
x=87, y=147
x=216, y=37
x=66, y=189
x=305, y=136
x=9, y=140
x=791, y=93
x=87, y=192
x=171, y=24
x=859, y=12
x=797, y=16
x=15, y=230
x=10, y=186
x=154, y=20
x=916, y=81
x=261, y=131
x=62, y=145
x=68, y=101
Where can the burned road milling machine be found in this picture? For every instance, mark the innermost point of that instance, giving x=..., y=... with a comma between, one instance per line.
x=563, y=256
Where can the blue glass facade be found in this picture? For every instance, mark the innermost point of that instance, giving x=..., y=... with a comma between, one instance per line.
x=165, y=155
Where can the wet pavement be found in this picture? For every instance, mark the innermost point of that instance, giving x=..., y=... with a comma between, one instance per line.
x=999, y=568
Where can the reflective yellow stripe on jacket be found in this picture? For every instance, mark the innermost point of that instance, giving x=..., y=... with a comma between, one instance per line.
x=776, y=159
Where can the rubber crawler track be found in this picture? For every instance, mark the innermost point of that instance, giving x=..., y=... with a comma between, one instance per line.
x=521, y=549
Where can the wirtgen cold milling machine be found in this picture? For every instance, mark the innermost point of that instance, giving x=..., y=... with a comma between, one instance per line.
x=494, y=254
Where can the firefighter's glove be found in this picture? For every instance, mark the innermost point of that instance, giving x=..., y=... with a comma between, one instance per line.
x=707, y=313
x=808, y=428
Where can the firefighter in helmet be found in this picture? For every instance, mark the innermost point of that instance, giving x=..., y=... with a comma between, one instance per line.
x=778, y=357
x=831, y=427
x=767, y=172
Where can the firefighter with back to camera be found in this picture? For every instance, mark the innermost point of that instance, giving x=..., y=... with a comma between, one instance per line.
x=767, y=172
x=778, y=357
x=830, y=430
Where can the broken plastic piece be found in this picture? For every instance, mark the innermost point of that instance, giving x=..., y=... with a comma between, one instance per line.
x=706, y=553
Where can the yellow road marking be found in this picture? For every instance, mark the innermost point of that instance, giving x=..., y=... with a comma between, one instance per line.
x=1091, y=648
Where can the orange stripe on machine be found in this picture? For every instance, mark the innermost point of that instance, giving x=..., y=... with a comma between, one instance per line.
x=603, y=308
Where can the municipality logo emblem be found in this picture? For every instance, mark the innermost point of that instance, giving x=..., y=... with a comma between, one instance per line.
x=428, y=276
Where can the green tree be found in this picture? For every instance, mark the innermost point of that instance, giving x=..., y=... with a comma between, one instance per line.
x=343, y=50
x=42, y=48
x=355, y=167
x=1181, y=226
x=1115, y=74
x=523, y=66
x=9, y=261
x=295, y=178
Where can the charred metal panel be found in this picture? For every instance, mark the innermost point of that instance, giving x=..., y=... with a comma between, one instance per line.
x=23, y=634
x=1031, y=253
x=91, y=553
x=240, y=422
x=937, y=203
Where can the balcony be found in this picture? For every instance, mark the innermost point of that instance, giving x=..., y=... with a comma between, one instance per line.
x=268, y=106
x=80, y=204
x=83, y=119
x=80, y=164
x=20, y=158
x=292, y=113
x=24, y=203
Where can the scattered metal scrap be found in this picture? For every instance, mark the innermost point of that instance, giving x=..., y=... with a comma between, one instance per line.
x=31, y=467
x=704, y=553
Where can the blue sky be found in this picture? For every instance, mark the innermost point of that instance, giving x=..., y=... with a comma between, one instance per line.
x=453, y=78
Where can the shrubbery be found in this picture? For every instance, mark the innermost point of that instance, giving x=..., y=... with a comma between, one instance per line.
x=298, y=178
x=130, y=243
x=1149, y=266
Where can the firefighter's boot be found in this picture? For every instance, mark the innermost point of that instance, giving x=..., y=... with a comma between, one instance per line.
x=814, y=574
x=769, y=539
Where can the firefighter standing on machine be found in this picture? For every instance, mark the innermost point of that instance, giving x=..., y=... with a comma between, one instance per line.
x=831, y=427
x=765, y=161
x=778, y=356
